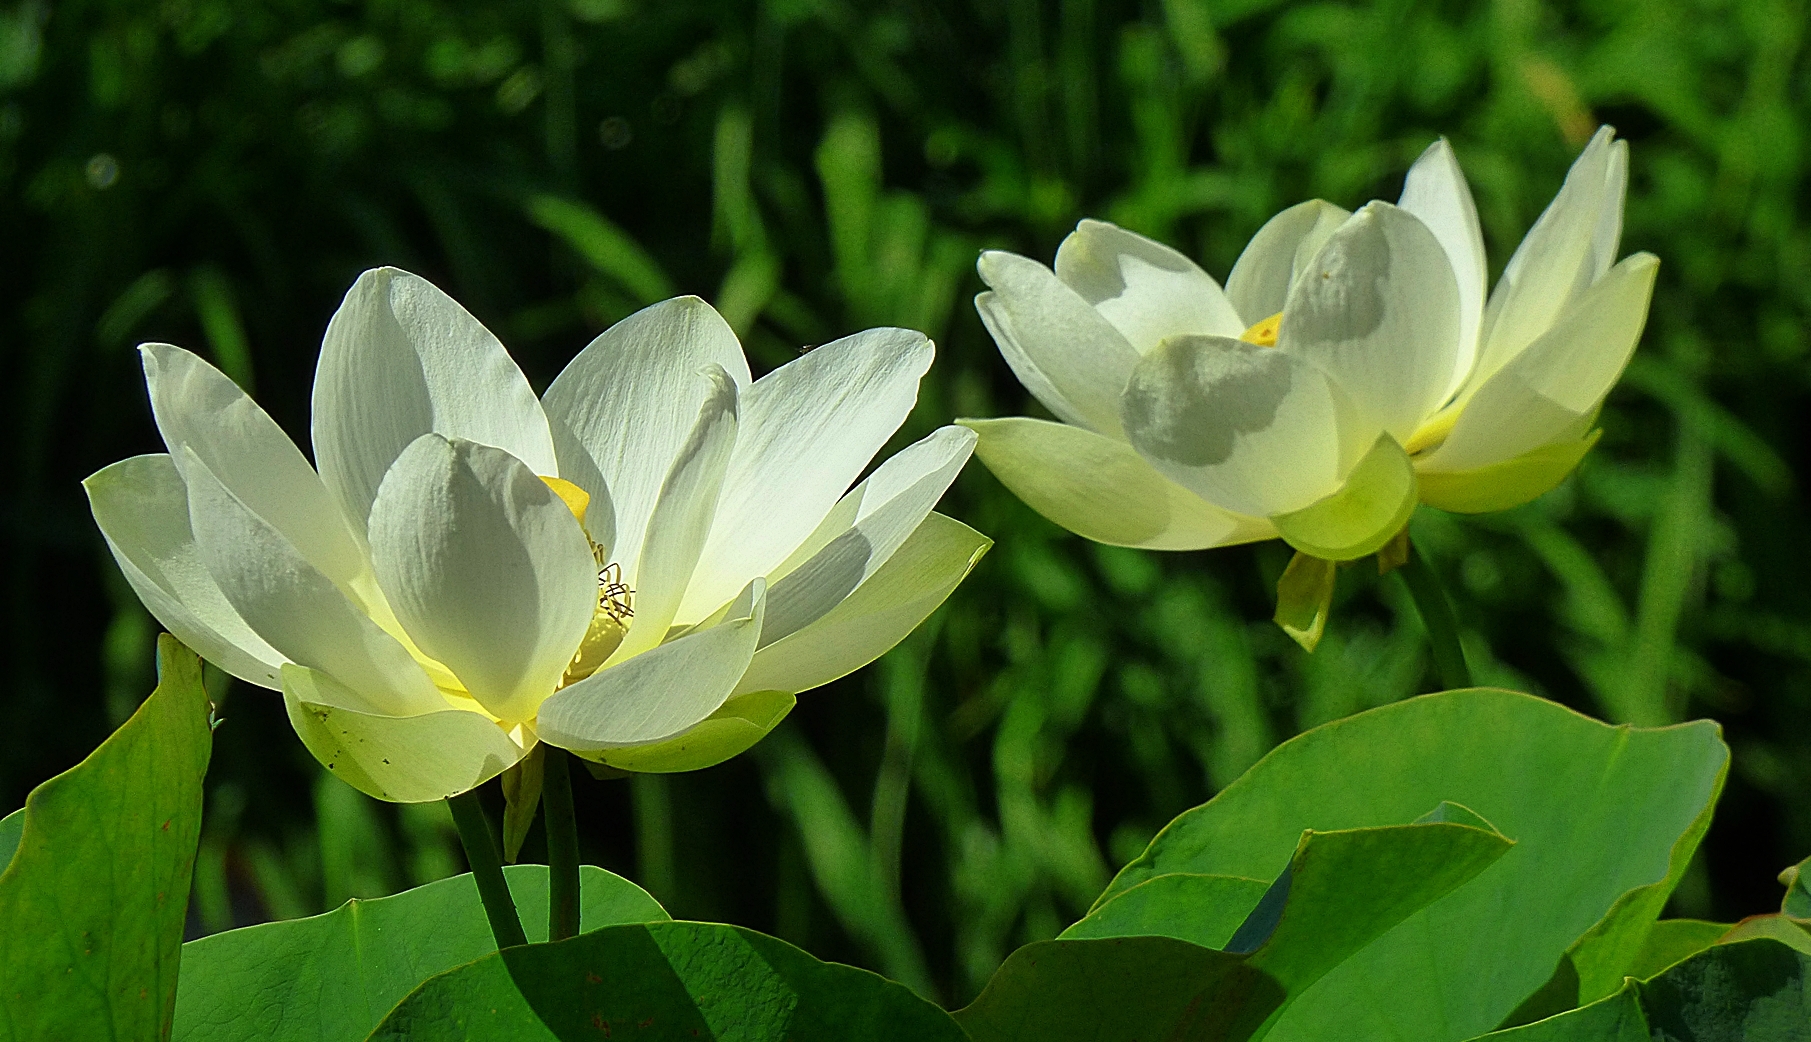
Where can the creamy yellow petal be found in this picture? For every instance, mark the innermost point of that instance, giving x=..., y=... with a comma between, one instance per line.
x=410, y=759
x=1368, y=510
x=631, y=398
x=1102, y=489
x=657, y=694
x=142, y=509
x=1556, y=259
x=879, y=614
x=1435, y=191
x=727, y=733
x=488, y=570
x=804, y=433
x=1507, y=484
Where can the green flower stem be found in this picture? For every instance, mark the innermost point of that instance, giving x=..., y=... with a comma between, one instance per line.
x=1437, y=615
x=487, y=868
x=562, y=846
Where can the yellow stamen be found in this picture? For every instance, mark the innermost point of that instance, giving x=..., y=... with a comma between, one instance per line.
x=1264, y=334
x=610, y=619
x=575, y=498
x=1433, y=433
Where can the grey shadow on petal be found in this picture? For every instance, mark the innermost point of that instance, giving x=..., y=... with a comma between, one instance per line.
x=1097, y=278
x=1344, y=288
x=819, y=584
x=1191, y=398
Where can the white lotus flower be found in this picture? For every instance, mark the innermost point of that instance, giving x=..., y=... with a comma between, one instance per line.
x=1352, y=367
x=643, y=567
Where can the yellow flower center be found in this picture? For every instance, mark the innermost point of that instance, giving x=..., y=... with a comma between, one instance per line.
x=615, y=601
x=576, y=499
x=1264, y=334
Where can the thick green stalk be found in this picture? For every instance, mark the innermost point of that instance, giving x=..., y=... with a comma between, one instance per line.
x=487, y=868
x=562, y=846
x=1437, y=615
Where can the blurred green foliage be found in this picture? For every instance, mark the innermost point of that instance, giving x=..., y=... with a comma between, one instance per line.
x=216, y=173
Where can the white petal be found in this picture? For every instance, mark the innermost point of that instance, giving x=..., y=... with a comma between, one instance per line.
x=632, y=397
x=401, y=759
x=487, y=570
x=294, y=607
x=682, y=517
x=660, y=693
x=1552, y=263
x=1436, y=192
x=804, y=432
x=142, y=509
x=200, y=408
x=577, y=466
x=401, y=359
x=1252, y=429
x=1606, y=238
x=1062, y=350
x=1102, y=489
x=1260, y=281
x=1147, y=290
x=864, y=530
x=1550, y=392
x=1378, y=312
x=917, y=578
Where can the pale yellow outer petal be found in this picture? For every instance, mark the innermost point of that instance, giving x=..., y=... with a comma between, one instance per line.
x=1101, y=489
x=1435, y=191
x=1367, y=511
x=409, y=759
x=1548, y=393
x=296, y=608
x=1511, y=483
x=142, y=509
x=729, y=732
x=865, y=528
x=1557, y=259
x=879, y=614
x=198, y=408
x=804, y=433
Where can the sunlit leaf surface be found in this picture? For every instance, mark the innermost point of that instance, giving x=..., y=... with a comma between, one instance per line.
x=92, y=903
x=333, y=977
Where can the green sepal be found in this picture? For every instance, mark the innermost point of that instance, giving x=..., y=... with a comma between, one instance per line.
x=1305, y=598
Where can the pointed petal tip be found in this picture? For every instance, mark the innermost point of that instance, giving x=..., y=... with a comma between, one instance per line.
x=991, y=263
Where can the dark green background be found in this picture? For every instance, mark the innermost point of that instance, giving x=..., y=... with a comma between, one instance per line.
x=216, y=173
